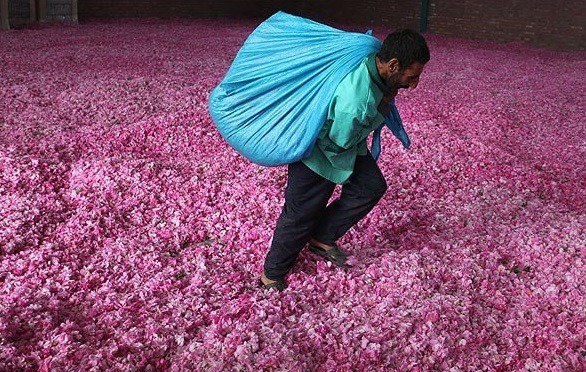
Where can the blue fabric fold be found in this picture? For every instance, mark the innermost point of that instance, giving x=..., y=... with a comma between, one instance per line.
x=395, y=124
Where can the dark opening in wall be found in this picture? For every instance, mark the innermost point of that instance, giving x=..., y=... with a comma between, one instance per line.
x=18, y=12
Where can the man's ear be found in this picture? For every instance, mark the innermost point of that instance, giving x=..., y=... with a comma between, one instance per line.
x=393, y=65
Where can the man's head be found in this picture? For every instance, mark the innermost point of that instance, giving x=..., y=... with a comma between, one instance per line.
x=401, y=59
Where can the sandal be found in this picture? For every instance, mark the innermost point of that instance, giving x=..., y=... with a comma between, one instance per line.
x=336, y=254
x=279, y=285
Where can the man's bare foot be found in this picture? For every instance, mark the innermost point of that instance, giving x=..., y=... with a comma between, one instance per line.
x=321, y=245
x=269, y=283
x=266, y=281
x=331, y=253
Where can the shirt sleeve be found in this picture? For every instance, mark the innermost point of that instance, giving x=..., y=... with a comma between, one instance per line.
x=341, y=159
x=340, y=143
x=346, y=130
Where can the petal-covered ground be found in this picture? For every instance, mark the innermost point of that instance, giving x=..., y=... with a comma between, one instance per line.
x=132, y=237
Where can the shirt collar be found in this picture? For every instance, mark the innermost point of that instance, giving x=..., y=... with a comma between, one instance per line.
x=373, y=72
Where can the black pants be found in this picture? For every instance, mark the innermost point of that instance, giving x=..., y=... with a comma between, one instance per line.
x=306, y=213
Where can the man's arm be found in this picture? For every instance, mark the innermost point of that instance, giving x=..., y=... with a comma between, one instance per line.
x=346, y=130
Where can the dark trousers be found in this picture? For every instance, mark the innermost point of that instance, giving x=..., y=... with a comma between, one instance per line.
x=306, y=214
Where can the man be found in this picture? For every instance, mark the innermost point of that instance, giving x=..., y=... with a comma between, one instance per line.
x=340, y=156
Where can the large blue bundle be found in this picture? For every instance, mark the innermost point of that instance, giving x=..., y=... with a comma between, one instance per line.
x=274, y=99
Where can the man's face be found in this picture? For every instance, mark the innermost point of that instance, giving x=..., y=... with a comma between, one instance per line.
x=396, y=79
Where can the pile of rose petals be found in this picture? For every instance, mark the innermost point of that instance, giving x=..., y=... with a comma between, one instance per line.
x=132, y=237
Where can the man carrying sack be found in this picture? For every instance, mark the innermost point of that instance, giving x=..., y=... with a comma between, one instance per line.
x=340, y=156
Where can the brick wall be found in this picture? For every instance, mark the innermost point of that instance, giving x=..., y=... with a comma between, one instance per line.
x=178, y=8
x=61, y=10
x=384, y=14
x=555, y=24
x=19, y=12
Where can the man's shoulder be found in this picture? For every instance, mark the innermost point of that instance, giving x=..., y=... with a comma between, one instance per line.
x=355, y=91
x=357, y=78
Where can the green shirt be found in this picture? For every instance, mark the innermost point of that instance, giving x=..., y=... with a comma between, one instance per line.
x=352, y=115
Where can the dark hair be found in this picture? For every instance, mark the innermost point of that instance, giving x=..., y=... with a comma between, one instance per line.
x=407, y=46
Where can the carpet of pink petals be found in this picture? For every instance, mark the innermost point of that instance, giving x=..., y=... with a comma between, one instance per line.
x=132, y=237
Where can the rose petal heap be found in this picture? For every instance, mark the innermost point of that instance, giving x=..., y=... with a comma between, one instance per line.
x=132, y=236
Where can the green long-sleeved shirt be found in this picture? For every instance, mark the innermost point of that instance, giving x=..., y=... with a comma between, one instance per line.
x=352, y=115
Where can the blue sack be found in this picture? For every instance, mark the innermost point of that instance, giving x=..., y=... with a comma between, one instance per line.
x=274, y=99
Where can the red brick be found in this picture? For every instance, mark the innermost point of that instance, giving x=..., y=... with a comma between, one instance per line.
x=554, y=24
